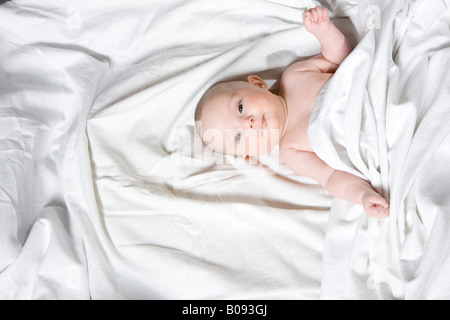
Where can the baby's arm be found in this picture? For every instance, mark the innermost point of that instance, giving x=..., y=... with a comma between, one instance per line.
x=354, y=189
x=335, y=47
x=340, y=184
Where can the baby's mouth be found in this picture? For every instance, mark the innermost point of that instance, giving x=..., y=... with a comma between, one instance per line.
x=264, y=122
x=263, y=128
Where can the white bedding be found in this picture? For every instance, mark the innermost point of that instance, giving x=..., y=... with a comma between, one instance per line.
x=106, y=192
x=390, y=122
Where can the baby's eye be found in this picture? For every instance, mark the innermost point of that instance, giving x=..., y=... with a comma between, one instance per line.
x=241, y=108
x=238, y=137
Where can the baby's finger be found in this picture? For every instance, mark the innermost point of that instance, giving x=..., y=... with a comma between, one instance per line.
x=319, y=11
x=377, y=199
x=382, y=202
x=306, y=15
x=314, y=14
x=381, y=213
x=326, y=13
x=377, y=212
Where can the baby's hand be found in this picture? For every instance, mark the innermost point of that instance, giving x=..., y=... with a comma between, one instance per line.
x=317, y=21
x=375, y=205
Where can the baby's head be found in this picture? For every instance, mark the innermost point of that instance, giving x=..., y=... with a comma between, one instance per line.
x=242, y=118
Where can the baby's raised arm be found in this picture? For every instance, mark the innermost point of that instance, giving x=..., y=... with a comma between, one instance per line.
x=335, y=46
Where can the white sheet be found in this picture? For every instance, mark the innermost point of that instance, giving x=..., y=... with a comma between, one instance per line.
x=184, y=223
x=104, y=193
x=386, y=116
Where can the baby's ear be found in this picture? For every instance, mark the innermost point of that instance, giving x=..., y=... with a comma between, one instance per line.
x=258, y=82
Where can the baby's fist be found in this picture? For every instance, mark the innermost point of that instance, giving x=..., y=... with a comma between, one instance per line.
x=375, y=206
x=317, y=20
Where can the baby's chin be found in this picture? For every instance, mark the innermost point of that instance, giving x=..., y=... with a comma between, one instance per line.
x=257, y=151
x=264, y=144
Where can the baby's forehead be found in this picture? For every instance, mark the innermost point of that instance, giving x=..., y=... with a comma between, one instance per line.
x=219, y=95
x=216, y=99
x=226, y=86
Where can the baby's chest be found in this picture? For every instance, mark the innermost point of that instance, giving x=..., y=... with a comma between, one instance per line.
x=301, y=96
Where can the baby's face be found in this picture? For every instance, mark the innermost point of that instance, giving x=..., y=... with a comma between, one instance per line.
x=243, y=118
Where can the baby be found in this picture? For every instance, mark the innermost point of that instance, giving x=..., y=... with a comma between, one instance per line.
x=245, y=119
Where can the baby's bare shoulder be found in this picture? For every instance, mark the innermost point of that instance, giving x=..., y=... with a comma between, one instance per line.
x=317, y=64
x=297, y=80
x=292, y=79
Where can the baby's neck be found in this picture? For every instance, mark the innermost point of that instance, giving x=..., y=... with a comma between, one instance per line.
x=286, y=115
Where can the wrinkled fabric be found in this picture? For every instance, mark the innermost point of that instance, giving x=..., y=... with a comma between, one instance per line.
x=182, y=222
x=385, y=116
x=105, y=191
x=44, y=102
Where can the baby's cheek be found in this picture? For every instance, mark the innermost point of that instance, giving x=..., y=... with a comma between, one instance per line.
x=267, y=141
x=256, y=143
x=252, y=144
x=273, y=137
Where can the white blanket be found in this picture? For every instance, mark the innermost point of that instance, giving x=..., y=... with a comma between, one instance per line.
x=181, y=222
x=385, y=115
x=106, y=192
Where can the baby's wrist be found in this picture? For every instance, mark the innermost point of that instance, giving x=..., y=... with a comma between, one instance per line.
x=324, y=33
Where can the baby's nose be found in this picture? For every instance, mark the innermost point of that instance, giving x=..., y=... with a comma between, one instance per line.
x=253, y=123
